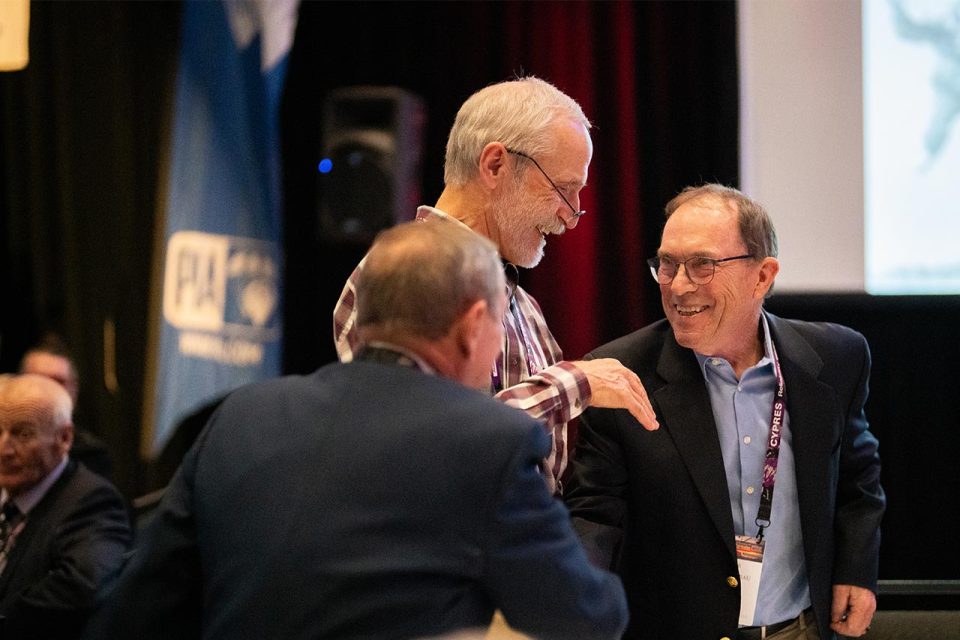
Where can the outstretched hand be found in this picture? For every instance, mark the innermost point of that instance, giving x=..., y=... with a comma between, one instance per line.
x=613, y=386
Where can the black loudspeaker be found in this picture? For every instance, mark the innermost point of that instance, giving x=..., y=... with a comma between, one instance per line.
x=370, y=161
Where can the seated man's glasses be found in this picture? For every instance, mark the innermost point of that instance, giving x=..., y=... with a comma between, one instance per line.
x=699, y=270
x=576, y=213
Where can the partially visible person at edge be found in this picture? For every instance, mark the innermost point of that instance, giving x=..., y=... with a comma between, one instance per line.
x=63, y=528
x=517, y=157
x=754, y=512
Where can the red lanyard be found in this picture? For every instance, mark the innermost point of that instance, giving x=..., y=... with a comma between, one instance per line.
x=773, y=448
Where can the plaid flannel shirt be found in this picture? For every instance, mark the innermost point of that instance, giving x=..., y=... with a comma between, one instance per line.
x=530, y=373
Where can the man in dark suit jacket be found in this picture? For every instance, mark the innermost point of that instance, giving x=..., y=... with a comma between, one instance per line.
x=664, y=507
x=63, y=529
x=377, y=499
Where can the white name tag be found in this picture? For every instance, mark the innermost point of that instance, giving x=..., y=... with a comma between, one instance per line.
x=750, y=565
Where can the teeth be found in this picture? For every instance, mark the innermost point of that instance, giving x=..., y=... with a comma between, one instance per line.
x=689, y=311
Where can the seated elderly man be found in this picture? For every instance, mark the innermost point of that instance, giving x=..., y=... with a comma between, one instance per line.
x=383, y=498
x=63, y=529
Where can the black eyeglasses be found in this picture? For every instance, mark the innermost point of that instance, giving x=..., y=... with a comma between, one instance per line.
x=576, y=213
x=699, y=270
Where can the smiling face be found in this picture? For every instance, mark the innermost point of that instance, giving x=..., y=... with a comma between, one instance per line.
x=528, y=209
x=720, y=318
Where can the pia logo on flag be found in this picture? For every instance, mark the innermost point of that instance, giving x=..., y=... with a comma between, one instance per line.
x=221, y=283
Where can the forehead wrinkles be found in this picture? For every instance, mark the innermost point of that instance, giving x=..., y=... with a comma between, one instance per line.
x=30, y=406
x=705, y=226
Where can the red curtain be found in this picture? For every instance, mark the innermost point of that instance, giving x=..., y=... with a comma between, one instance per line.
x=564, y=43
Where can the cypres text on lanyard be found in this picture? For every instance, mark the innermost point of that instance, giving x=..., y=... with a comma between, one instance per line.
x=773, y=449
x=750, y=550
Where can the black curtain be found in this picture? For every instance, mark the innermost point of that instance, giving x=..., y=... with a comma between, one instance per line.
x=81, y=140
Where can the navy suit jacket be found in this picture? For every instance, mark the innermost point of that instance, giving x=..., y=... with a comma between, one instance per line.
x=364, y=501
x=72, y=543
x=655, y=505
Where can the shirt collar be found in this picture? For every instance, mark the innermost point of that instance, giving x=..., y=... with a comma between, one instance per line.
x=767, y=349
x=425, y=212
x=29, y=499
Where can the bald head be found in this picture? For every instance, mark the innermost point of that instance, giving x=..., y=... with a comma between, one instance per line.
x=36, y=430
x=419, y=277
x=435, y=288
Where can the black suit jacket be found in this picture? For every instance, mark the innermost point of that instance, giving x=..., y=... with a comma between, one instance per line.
x=364, y=501
x=666, y=490
x=72, y=543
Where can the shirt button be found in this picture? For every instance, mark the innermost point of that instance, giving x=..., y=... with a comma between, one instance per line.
x=732, y=582
x=747, y=439
x=715, y=362
x=749, y=491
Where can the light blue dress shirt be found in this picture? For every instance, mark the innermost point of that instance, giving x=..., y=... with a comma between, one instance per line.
x=742, y=409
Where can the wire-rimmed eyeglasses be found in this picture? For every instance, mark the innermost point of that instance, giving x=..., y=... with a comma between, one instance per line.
x=700, y=270
x=576, y=212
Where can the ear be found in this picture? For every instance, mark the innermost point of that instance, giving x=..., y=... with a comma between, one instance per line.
x=769, y=269
x=65, y=437
x=468, y=327
x=493, y=160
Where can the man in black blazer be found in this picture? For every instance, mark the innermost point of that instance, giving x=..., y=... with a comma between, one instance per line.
x=63, y=528
x=664, y=508
x=383, y=498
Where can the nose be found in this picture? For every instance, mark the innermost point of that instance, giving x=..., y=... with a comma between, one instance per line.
x=569, y=220
x=680, y=286
x=6, y=443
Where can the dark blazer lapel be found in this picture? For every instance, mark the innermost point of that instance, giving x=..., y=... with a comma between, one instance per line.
x=813, y=409
x=686, y=414
x=36, y=520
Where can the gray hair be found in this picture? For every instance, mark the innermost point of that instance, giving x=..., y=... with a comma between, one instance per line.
x=419, y=277
x=517, y=113
x=756, y=228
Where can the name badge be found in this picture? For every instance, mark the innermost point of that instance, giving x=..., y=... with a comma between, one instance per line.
x=750, y=565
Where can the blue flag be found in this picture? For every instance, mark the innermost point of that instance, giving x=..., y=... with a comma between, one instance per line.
x=220, y=324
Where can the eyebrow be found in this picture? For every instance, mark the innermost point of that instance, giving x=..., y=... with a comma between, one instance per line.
x=571, y=184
